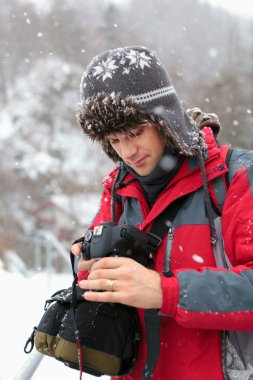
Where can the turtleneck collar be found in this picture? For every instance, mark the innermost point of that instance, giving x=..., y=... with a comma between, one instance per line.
x=154, y=183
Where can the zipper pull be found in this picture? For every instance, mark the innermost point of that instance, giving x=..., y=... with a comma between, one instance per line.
x=171, y=232
x=30, y=341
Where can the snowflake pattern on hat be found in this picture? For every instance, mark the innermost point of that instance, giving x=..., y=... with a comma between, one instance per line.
x=139, y=60
x=132, y=60
x=105, y=69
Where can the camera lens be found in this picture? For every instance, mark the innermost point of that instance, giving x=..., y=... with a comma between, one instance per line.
x=88, y=235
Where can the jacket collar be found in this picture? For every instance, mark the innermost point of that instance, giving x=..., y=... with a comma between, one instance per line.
x=188, y=179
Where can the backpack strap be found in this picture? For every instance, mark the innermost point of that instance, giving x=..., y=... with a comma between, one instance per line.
x=151, y=317
x=219, y=186
x=228, y=157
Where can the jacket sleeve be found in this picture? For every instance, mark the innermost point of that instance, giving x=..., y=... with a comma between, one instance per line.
x=218, y=298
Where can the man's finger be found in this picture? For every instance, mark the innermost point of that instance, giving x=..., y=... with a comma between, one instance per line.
x=101, y=284
x=113, y=273
x=102, y=296
x=85, y=265
x=112, y=262
x=76, y=249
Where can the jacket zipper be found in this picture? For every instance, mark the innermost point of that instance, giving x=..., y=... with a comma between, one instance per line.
x=167, y=256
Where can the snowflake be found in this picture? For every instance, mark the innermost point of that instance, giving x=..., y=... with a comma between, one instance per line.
x=126, y=71
x=138, y=59
x=105, y=69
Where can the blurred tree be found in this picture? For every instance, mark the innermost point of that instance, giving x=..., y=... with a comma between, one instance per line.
x=47, y=155
x=208, y=54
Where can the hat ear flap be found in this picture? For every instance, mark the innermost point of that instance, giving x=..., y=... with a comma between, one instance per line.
x=108, y=149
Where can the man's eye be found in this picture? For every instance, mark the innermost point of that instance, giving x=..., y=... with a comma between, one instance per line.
x=113, y=141
x=136, y=132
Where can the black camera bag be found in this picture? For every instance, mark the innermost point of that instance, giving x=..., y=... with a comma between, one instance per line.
x=93, y=337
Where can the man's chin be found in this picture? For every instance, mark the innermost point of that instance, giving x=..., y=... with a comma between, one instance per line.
x=143, y=171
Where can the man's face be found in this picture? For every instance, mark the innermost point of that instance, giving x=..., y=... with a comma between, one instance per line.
x=141, y=148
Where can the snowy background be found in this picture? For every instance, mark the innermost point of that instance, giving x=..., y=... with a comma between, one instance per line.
x=50, y=173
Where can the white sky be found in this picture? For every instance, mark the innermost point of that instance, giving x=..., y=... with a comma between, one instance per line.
x=240, y=7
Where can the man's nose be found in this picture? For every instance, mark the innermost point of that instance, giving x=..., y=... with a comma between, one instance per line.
x=128, y=149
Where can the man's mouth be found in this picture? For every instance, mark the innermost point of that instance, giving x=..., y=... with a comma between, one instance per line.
x=139, y=162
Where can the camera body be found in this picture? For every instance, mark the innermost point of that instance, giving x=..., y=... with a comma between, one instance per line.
x=109, y=239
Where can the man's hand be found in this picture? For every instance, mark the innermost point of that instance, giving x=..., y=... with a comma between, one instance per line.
x=122, y=280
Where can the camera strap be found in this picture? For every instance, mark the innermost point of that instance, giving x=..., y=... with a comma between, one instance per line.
x=162, y=222
x=151, y=316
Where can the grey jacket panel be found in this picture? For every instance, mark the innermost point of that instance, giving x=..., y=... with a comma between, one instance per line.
x=192, y=211
x=216, y=291
x=250, y=176
x=240, y=158
x=131, y=213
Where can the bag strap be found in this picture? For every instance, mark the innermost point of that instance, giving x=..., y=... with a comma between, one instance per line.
x=220, y=186
x=151, y=317
x=228, y=157
x=160, y=225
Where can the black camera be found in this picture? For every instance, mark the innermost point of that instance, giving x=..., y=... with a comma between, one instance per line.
x=109, y=239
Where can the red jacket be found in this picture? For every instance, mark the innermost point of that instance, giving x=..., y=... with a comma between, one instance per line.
x=200, y=300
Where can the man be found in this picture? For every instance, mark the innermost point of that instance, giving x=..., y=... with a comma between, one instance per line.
x=130, y=106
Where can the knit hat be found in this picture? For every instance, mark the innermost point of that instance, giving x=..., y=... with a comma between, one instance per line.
x=127, y=86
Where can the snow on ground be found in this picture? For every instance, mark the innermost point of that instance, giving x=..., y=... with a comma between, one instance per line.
x=22, y=302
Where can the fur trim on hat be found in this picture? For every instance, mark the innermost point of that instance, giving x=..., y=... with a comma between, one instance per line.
x=203, y=119
x=101, y=115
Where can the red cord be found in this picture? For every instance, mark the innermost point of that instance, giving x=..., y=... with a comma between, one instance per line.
x=80, y=358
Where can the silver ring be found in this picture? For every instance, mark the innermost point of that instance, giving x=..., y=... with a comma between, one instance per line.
x=109, y=285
